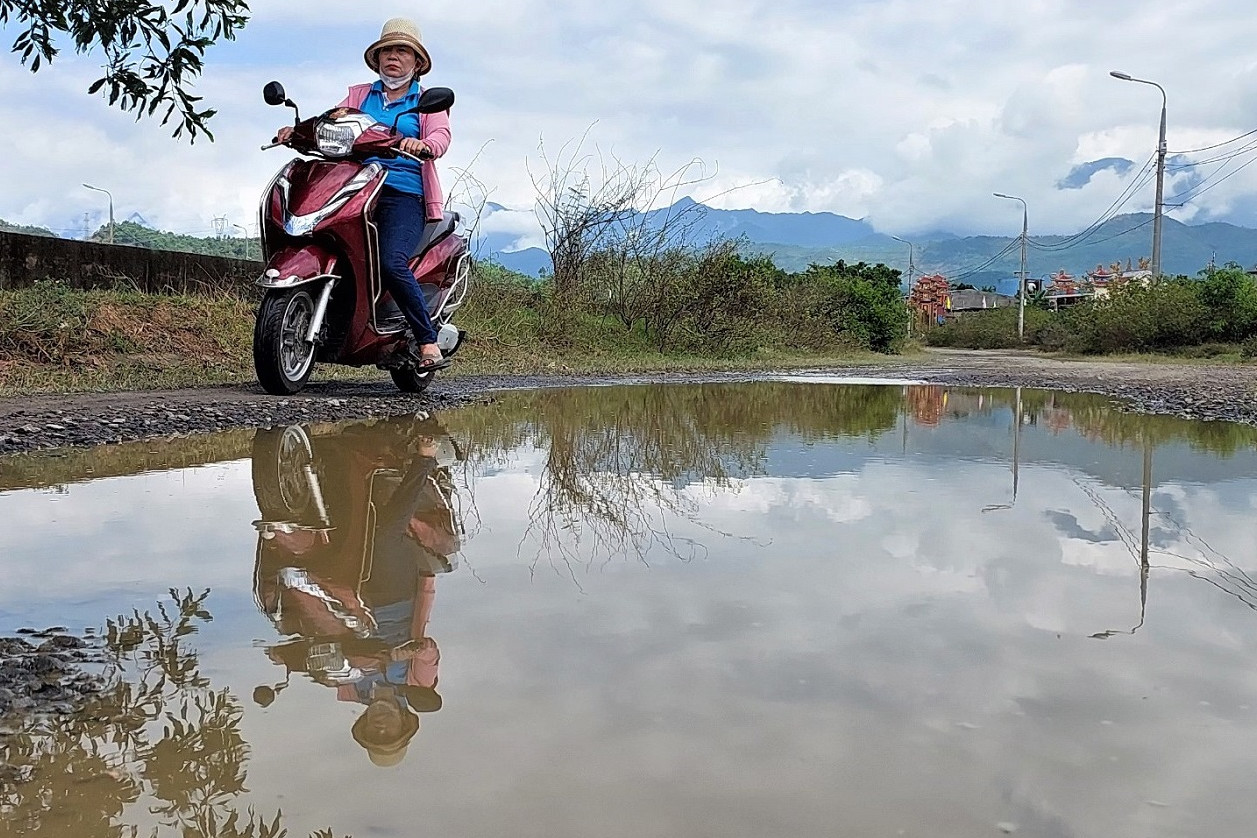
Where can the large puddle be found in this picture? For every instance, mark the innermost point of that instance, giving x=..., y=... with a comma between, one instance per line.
x=786, y=608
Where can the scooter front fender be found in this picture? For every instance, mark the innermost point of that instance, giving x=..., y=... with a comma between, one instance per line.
x=295, y=266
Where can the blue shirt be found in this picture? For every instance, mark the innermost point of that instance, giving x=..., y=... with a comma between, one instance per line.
x=403, y=173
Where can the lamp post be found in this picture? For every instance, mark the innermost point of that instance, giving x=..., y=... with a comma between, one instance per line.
x=912, y=269
x=107, y=192
x=246, y=239
x=1156, y=213
x=1021, y=275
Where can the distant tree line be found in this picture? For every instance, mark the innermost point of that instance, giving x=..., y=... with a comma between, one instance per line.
x=137, y=235
x=1210, y=313
x=10, y=227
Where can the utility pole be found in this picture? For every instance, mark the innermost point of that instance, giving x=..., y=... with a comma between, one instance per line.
x=1021, y=275
x=1157, y=211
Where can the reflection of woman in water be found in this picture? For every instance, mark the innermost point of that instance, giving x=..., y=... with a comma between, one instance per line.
x=367, y=635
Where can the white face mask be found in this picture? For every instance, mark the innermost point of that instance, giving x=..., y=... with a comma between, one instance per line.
x=395, y=82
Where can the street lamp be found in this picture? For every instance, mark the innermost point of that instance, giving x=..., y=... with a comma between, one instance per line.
x=1021, y=275
x=1156, y=215
x=912, y=269
x=107, y=192
x=246, y=239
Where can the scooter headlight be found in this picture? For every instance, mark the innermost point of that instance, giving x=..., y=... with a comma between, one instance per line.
x=335, y=139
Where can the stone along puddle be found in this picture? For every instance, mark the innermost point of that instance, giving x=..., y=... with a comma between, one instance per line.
x=801, y=607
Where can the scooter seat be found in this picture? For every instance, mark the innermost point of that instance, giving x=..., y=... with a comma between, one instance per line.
x=434, y=232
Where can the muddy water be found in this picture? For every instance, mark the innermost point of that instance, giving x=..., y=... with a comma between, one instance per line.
x=788, y=608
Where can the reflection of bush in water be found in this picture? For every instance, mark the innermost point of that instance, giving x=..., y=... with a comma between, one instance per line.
x=690, y=420
x=1095, y=418
x=158, y=732
x=618, y=459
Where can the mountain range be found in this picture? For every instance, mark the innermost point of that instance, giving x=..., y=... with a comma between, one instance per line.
x=795, y=240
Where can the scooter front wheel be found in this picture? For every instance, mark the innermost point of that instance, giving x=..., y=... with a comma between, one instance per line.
x=282, y=356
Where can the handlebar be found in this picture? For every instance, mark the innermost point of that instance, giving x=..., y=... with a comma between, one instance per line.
x=422, y=157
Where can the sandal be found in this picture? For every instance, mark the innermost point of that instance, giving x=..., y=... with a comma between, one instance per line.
x=432, y=361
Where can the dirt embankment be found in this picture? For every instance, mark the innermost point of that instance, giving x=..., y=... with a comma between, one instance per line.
x=1199, y=391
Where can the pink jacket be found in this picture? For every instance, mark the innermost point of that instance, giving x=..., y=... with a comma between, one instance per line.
x=436, y=134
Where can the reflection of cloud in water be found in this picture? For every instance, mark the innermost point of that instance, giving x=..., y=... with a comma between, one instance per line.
x=866, y=652
x=836, y=499
x=128, y=538
x=1069, y=527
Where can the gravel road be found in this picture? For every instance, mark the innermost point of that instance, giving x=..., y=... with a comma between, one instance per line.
x=1199, y=391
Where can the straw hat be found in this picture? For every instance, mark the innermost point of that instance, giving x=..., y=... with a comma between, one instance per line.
x=400, y=31
x=386, y=746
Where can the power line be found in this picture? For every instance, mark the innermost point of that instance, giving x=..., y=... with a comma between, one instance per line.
x=970, y=271
x=1217, y=145
x=1136, y=183
x=1143, y=223
x=1200, y=191
x=1220, y=158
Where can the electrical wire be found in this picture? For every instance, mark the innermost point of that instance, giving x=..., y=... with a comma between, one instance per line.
x=1200, y=188
x=1138, y=182
x=1143, y=223
x=1217, y=145
x=1220, y=158
x=961, y=273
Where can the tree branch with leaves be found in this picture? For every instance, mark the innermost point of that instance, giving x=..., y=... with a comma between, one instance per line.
x=154, y=52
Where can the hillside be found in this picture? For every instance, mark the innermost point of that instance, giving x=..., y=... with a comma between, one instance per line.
x=801, y=240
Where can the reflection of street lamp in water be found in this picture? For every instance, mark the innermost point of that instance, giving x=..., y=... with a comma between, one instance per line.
x=1143, y=546
x=1016, y=455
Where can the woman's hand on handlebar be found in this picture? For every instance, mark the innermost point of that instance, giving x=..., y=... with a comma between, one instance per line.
x=418, y=148
x=283, y=135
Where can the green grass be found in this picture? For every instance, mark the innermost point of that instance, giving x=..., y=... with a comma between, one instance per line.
x=57, y=340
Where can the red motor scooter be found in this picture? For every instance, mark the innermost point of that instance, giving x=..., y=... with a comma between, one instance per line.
x=324, y=300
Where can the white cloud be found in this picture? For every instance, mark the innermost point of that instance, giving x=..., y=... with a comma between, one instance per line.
x=908, y=114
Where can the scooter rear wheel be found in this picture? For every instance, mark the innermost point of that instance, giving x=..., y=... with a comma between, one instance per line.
x=282, y=357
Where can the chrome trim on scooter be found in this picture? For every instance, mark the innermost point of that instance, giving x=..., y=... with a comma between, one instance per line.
x=303, y=225
x=264, y=209
x=320, y=311
x=457, y=293
x=265, y=281
x=372, y=237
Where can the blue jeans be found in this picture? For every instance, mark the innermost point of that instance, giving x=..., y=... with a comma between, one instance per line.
x=399, y=216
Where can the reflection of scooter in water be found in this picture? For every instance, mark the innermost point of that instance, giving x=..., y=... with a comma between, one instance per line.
x=355, y=527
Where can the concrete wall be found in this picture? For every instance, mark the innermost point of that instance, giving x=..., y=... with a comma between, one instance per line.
x=25, y=260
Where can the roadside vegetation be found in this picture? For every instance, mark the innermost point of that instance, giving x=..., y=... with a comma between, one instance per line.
x=691, y=309
x=1211, y=316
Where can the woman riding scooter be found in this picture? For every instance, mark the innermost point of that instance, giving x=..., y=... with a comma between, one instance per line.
x=412, y=192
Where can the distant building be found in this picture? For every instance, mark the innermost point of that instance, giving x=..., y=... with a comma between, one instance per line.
x=934, y=301
x=968, y=300
x=928, y=299
x=1063, y=289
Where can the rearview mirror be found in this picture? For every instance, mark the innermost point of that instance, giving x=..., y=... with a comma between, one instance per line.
x=273, y=93
x=435, y=100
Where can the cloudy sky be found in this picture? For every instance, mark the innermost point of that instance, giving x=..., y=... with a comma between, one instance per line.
x=906, y=113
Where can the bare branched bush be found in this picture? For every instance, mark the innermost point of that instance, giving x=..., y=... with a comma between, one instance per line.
x=602, y=218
